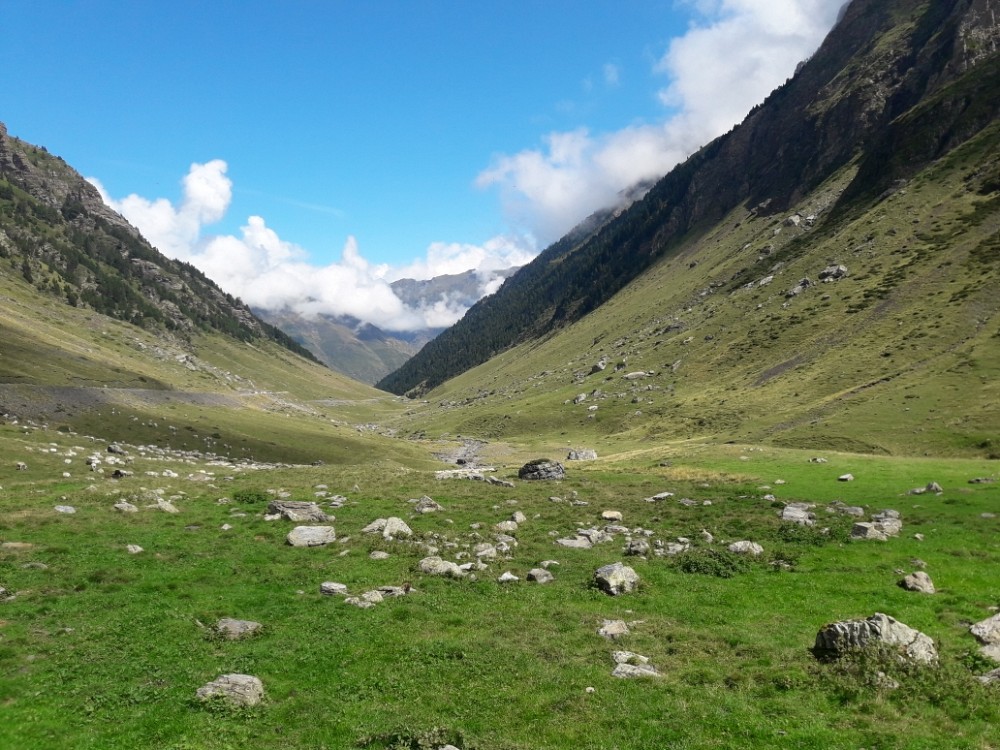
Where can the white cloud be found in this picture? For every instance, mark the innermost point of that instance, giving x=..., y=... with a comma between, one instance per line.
x=268, y=272
x=733, y=55
x=612, y=74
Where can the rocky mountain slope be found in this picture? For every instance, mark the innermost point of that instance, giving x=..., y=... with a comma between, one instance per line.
x=825, y=276
x=57, y=234
x=896, y=85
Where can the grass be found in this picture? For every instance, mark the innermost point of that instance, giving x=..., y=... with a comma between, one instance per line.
x=102, y=649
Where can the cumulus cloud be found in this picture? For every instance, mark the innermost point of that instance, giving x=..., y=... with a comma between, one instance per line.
x=268, y=272
x=734, y=53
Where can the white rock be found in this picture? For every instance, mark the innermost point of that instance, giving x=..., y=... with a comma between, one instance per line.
x=746, y=548
x=237, y=689
x=311, y=536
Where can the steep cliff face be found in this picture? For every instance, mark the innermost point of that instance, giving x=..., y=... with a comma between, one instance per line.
x=896, y=84
x=60, y=236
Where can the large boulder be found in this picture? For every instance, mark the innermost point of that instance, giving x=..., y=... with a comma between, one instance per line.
x=311, y=536
x=542, y=468
x=297, y=511
x=235, y=689
x=435, y=566
x=839, y=638
x=616, y=579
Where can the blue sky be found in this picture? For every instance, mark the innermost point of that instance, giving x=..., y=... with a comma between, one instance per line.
x=305, y=153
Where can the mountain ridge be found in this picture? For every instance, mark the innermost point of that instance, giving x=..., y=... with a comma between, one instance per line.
x=877, y=62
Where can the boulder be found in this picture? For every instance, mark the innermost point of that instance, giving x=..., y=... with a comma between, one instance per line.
x=918, y=581
x=540, y=469
x=389, y=528
x=845, y=478
x=582, y=454
x=631, y=665
x=540, y=575
x=67, y=509
x=611, y=515
x=331, y=588
x=865, y=530
x=613, y=629
x=987, y=631
x=838, y=638
x=311, y=536
x=235, y=629
x=575, y=542
x=833, y=272
x=426, y=505
x=798, y=513
x=133, y=549
x=746, y=548
x=435, y=566
x=297, y=511
x=888, y=522
x=636, y=548
x=616, y=579
x=125, y=507
x=508, y=577
x=235, y=689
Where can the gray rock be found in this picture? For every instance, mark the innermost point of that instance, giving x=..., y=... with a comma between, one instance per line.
x=611, y=515
x=918, y=581
x=616, y=579
x=888, y=522
x=311, y=536
x=165, y=506
x=837, y=638
x=987, y=631
x=798, y=513
x=389, y=528
x=833, y=273
x=845, y=478
x=508, y=577
x=485, y=551
x=541, y=469
x=746, y=548
x=540, y=575
x=67, y=509
x=576, y=542
x=235, y=629
x=990, y=678
x=865, y=530
x=435, y=566
x=518, y=517
x=330, y=588
x=613, y=629
x=582, y=454
x=506, y=527
x=378, y=554
x=297, y=511
x=426, y=505
x=636, y=548
x=125, y=507
x=235, y=689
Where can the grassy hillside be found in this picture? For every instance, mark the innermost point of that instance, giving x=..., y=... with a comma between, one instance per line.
x=897, y=357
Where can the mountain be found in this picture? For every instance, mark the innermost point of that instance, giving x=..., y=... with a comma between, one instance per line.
x=364, y=351
x=823, y=276
x=102, y=336
x=894, y=87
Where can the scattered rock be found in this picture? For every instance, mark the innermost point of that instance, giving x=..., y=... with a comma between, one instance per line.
x=330, y=588
x=235, y=689
x=297, y=511
x=990, y=678
x=865, y=530
x=582, y=454
x=888, y=522
x=540, y=469
x=833, y=273
x=67, y=509
x=616, y=579
x=613, y=629
x=845, y=478
x=837, y=638
x=435, y=566
x=507, y=577
x=134, y=549
x=918, y=581
x=390, y=528
x=746, y=548
x=576, y=542
x=798, y=513
x=165, y=505
x=611, y=515
x=987, y=631
x=378, y=555
x=540, y=575
x=311, y=536
x=817, y=460
x=426, y=505
x=630, y=665
x=235, y=629
x=636, y=548
x=125, y=507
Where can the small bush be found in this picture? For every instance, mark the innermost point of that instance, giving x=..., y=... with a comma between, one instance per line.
x=250, y=496
x=711, y=562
